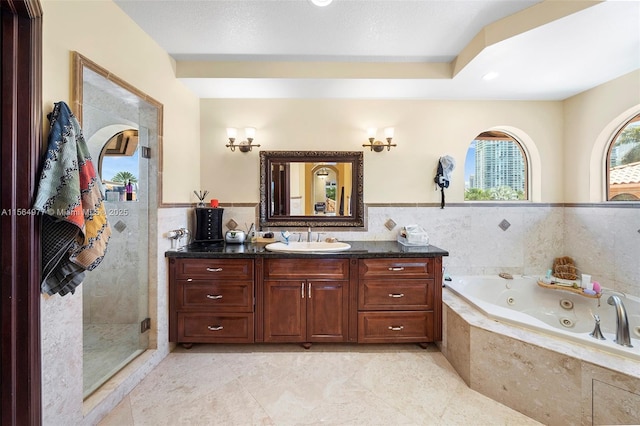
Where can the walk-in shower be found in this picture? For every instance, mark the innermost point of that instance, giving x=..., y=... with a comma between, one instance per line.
x=122, y=131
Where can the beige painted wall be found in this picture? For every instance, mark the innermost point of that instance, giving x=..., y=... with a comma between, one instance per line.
x=103, y=33
x=424, y=130
x=591, y=119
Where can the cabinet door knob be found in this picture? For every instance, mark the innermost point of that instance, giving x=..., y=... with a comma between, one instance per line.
x=396, y=268
x=215, y=327
x=214, y=296
x=396, y=295
x=396, y=328
x=214, y=269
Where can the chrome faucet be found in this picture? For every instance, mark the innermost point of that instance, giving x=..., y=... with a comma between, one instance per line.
x=622, y=322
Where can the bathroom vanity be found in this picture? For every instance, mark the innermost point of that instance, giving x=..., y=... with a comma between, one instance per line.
x=375, y=292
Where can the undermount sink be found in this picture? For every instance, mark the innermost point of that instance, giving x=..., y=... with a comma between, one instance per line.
x=305, y=246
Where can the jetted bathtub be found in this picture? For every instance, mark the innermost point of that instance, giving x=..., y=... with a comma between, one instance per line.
x=521, y=301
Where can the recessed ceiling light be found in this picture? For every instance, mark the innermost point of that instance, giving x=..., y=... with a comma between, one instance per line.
x=490, y=75
x=321, y=3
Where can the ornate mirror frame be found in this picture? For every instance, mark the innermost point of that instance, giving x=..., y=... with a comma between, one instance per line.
x=356, y=219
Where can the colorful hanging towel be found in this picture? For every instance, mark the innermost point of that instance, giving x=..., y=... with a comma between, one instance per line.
x=75, y=229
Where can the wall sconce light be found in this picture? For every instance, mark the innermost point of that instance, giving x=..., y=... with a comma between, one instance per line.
x=244, y=146
x=378, y=146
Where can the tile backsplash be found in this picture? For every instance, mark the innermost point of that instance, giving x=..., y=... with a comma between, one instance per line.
x=603, y=240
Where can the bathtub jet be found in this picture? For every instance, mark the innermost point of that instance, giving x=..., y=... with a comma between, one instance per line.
x=622, y=322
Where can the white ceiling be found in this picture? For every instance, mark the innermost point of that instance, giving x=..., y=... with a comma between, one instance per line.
x=549, y=62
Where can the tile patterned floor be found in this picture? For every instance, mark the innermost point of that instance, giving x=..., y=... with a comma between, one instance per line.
x=287, y=385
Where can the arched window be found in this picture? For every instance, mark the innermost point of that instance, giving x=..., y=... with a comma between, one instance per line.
x=623, y=163
x=495, y=169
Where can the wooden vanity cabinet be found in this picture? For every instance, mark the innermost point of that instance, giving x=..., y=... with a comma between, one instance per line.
x=211, y=301
x=306, y=300
x=399, y=300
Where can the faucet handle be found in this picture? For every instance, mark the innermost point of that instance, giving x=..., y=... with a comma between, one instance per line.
x=597, y=333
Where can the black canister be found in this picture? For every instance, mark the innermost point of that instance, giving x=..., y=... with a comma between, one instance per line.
x=209, y=224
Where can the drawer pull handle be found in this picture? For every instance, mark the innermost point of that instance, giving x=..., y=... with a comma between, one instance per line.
x=302, y=290
x=309, y=290
x=214, y=269
x=396, y=295
x=214, y=296
x=396, y=328
x=397, y=268
x=215, y=327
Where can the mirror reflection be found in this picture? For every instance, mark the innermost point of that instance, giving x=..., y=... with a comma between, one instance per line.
x=311, y=188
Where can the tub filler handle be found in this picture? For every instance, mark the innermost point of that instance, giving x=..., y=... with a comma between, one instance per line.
x=597, y=333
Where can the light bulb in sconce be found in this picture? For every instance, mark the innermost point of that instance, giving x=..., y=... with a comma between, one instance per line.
x=371, y=134
x=244, y=146
x=250, y=133
x=378, y=146
x=232, y=133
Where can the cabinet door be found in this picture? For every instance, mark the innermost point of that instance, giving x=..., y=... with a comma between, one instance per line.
x=327, y=305
x=285, y=313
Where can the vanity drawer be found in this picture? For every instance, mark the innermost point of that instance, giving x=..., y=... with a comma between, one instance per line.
x=397, y=268
x=389, y=327
x=215, y=328
x=238, y=269
x=334, y=269
x=218, y=296
x=409, y=294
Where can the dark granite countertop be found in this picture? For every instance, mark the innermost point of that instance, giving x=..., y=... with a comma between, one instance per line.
x=360, y=249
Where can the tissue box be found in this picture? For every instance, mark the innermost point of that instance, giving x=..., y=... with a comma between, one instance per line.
x=413, y=235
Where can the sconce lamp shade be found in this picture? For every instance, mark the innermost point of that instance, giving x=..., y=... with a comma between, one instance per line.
x=231, y=133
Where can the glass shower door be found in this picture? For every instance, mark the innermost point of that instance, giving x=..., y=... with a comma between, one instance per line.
x=116, y=293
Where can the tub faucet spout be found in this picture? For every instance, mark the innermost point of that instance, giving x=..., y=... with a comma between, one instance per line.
x=622, y=322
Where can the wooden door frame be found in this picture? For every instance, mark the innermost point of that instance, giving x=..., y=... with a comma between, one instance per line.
x=20, y=154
